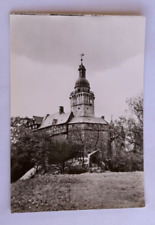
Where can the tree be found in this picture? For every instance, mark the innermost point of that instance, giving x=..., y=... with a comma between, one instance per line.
x=31, y=149
x=36, y=148
x=130, y=157
x=63, y=151
x=20, y=160
x=18, y=126
x=133, y=124
x=28, y=148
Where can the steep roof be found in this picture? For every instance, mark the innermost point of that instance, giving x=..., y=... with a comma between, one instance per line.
x=55, y=119
x=86, y=119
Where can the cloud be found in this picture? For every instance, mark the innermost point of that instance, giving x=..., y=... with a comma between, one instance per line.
x=45, y=53
x=113, y=86
x=105, y=40
x=38, y=89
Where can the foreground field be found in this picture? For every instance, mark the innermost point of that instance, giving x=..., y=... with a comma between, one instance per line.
x=73, y=192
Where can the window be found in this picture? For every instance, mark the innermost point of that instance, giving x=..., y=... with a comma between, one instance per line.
x=54, y=121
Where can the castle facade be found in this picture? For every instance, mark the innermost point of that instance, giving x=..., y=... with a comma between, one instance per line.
x=80, y=124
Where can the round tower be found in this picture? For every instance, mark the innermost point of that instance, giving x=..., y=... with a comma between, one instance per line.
x=82, y=99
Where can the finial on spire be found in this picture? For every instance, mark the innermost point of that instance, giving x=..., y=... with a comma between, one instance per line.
x=82, y=58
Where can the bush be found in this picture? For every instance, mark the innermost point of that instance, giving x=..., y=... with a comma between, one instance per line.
x=19, y=166
x=76, y=169
x=27, y=151
x=128, y=162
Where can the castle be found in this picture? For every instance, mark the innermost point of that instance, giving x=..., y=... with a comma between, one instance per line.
x=80, y=124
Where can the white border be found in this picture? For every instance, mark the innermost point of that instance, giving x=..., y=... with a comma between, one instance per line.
x=109, y=217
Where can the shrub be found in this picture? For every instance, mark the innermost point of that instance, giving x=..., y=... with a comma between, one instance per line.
x=19, y=166
x=130, y=161
x=76, y=169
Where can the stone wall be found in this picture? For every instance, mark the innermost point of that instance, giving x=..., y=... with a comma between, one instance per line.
x=92, y=136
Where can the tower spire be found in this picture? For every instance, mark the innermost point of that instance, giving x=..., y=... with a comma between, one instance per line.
x=82, y=99
x=82, y=69
x=82, y=54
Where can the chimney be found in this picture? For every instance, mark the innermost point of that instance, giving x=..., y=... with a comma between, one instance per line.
x=61, y=109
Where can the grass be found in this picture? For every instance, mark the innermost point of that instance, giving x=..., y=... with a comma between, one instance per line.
x=73, y=192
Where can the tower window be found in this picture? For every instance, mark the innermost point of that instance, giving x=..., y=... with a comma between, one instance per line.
x=78, y=90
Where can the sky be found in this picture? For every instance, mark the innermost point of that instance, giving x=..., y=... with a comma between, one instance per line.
x=45, y=56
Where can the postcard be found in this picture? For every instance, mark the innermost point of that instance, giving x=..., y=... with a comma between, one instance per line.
x=76, y=112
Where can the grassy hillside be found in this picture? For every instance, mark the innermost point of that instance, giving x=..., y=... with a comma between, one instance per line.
x=72, y=192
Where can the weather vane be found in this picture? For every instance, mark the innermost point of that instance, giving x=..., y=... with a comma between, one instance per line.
x=82, y=58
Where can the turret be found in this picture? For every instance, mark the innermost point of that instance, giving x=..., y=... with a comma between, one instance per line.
x=82, y=99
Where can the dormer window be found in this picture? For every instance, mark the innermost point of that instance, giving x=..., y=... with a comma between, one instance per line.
x=54, y=122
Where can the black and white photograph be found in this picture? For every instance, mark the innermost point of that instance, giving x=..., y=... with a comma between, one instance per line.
x=76, y=112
